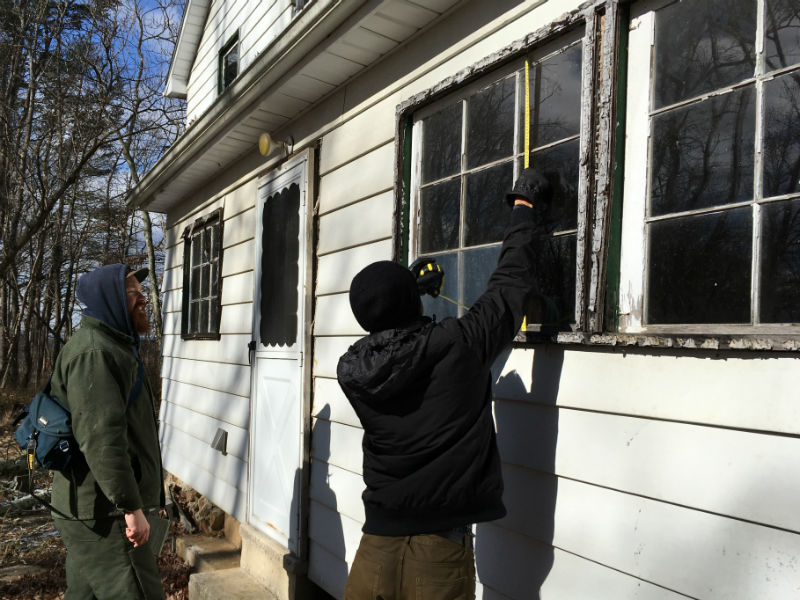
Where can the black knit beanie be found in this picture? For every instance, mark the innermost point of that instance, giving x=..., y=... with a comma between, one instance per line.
x=384, y=295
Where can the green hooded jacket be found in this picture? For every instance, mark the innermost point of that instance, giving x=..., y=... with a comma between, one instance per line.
x=94, y=375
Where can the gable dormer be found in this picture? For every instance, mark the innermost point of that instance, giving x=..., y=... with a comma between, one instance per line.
x=218, y=40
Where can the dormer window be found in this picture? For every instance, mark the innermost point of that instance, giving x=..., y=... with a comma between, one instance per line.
x=228, y=63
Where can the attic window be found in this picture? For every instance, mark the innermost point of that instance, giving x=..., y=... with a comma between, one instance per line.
x=228, y=63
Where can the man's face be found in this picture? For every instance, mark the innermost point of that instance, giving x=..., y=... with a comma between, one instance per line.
x=136, y=305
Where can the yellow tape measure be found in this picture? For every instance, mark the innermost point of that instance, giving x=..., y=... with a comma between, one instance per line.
x=526, y=157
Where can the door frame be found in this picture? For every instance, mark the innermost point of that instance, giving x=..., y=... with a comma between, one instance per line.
x=305, y=335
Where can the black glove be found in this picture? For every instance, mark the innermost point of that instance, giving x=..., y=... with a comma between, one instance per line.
x=429, y=275
x=533, y=186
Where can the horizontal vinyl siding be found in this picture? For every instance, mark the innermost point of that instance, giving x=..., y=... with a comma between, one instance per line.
x=629, y=474
x=258, y=24
x=205, y=383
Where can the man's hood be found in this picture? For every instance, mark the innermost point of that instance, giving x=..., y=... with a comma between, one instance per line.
x=102, y=292
x=380, y=366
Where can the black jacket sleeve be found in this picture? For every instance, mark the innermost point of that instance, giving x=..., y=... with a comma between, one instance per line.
x=495, y=318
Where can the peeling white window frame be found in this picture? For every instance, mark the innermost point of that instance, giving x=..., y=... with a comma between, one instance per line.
x=638, y=151
x=558, y=43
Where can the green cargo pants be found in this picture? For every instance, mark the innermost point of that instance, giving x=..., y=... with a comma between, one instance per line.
x=417, y=567
x=103, y=565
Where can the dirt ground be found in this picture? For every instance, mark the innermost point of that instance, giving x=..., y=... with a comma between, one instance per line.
x=31, y=552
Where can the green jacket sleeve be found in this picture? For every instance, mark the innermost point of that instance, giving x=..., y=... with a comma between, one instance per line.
x=97, y=397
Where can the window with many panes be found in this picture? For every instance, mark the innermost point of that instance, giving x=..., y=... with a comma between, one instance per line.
x=711, y=218
x=467, y=151
x=202, y=278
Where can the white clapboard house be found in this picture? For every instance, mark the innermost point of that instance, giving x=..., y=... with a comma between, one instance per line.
x=648, y=415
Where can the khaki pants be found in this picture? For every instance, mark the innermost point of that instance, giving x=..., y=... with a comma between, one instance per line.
x=419, y=567
x=103, y=565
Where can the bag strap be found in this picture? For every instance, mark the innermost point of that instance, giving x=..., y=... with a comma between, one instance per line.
x=31, y=452
x=137, y=387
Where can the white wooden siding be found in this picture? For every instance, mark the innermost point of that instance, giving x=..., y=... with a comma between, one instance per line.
x=630, y=474
x=205, y=383
x=258, y=24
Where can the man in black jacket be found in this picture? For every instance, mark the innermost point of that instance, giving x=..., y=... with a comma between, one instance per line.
x=422, y=391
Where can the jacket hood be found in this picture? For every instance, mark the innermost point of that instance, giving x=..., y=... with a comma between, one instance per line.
x=379, y=366
x=102, y=292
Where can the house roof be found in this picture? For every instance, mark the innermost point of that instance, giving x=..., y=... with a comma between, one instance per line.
x=194, y=17
x=328, y=43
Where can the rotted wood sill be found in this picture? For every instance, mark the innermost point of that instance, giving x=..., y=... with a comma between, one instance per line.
x=750, y=342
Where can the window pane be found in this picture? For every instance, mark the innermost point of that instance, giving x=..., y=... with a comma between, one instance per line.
x=441, y=143
x=439, y=307
x=216, y=245
x=205, y=278
x=490, y=123
x=555, y=98
x=194, y=317
x=478, y=266
x=202, y=309
x=703, y=46
x=205, y=255
x=196, y=243
x=213, y=317
x=439, y=205
x=780, y=263
x=782, y=135
x=214, y=280
x=782, y=41
x=486, y=215
x=196, y=283
x=700, y=268
x=703, y=154
x=553, y=300
x=560, y=165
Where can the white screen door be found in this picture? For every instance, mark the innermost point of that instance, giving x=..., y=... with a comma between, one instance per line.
x=276, y=430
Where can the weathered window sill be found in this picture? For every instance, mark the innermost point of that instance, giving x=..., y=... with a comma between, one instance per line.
x=785, y=343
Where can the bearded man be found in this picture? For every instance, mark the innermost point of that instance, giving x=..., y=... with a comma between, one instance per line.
x=111, y=489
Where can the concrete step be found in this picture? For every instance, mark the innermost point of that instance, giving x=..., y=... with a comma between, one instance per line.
x=206, y=553
x=230, y=584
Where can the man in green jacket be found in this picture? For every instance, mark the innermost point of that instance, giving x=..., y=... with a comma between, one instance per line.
x=116, y=484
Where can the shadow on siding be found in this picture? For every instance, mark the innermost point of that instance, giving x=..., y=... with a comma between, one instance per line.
x=514, y=555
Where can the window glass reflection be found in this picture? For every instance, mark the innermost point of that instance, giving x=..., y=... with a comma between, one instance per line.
x=703, y=46
x=703, y=154
x=439, y=204
x=490, y=123
x=486, y=215
x=439, y=307
x=782, y=135
x=782, y=41
x=441, y=143
x=553, y=299
x=560, y=165
x=478, y=266
x=555, y=97
x=780, y=263
x=700, y=268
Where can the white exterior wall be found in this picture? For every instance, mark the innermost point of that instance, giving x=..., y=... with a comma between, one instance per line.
x=206, y=383
x=629, y=474
x=258, y=22
x=647, y=474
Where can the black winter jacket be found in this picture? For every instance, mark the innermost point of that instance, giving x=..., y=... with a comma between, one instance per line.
x=423, y=395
